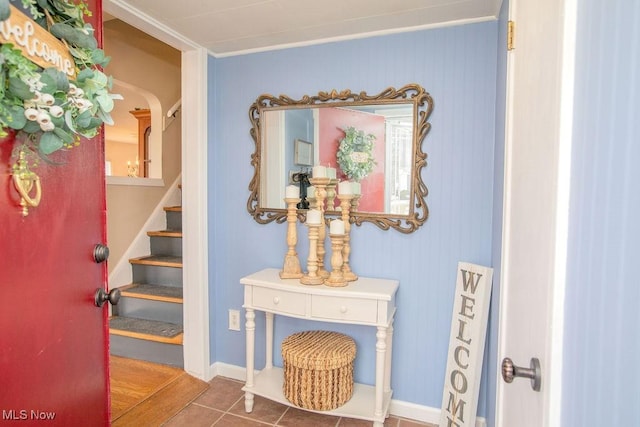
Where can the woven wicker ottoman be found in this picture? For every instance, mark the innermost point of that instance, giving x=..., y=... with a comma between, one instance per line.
x=318, y=369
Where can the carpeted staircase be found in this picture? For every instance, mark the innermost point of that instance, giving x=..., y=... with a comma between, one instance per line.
x=147, y=322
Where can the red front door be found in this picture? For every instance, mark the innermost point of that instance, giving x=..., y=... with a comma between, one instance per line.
x=53, y=339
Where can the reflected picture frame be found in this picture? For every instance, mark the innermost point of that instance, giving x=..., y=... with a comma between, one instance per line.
x=303, y=152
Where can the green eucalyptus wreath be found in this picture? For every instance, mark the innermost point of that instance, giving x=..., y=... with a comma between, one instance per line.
x=47, y=111
x=355, y=154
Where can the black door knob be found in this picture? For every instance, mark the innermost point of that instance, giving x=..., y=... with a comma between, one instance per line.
x=102, y=296
x=100, y=253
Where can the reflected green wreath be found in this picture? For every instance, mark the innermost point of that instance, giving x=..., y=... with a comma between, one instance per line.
x=355, y=154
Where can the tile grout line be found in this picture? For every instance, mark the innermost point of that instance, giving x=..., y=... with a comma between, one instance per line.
x=241, y=415
x=226, y=412
x=286, y=409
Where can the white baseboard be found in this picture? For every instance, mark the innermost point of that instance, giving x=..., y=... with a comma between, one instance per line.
x=397, y=408
x=426, y=414
x=230, y=371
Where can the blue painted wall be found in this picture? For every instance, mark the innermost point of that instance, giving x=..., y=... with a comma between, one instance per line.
x=457, y=65
x=602, y=330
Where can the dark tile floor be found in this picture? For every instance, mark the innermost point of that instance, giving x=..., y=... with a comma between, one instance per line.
x=222, y=405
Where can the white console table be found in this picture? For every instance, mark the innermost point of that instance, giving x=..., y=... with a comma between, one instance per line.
x=363, y=302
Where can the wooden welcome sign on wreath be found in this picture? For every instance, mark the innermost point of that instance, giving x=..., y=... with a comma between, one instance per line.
x=53, y=92
x=36, y=43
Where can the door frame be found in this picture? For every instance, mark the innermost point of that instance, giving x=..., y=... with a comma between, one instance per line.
x=560, y=127
x=195, y=270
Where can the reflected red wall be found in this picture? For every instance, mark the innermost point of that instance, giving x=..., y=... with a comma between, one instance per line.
x=331, y=123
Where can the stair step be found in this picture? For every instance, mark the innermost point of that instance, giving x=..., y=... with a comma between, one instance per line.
x=150, y=330
x=143, y=349
x=147, y=322
x=153, y=292
x=166, y=243
x=158, y=260
x=151, y=302
x=165, y=233
x=173, y=215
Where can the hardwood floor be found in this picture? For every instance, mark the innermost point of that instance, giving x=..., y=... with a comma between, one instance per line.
x=148, y=394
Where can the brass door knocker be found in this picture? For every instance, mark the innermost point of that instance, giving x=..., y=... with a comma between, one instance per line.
x=24, y=181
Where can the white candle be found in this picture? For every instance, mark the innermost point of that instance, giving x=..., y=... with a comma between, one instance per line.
x=345, y=188
x=356, y=188
x=311, y=192
x=331, y=173
x=313, y=216
x=292, y=192
x=336, y=227
x=319, y=172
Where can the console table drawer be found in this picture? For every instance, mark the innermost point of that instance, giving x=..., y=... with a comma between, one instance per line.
x=278, y=301
x=335, y=308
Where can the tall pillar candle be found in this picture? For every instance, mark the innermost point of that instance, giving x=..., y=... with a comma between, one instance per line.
x=319, y=172
x=331, y=173
x=314, y=216
x=336, y=227
x=345, y=187
x=292, y=192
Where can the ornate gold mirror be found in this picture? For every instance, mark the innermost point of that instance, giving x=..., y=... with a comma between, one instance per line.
x=292, y=136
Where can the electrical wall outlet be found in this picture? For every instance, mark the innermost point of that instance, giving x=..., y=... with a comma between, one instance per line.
x=234, y=320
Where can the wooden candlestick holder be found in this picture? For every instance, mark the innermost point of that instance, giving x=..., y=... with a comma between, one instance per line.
x=291, y=268
x=331, y=194
x=321, y=193
x=354, y=202
x=312, y=277
x=336, y=278
x=312, y=202
x=345, y=205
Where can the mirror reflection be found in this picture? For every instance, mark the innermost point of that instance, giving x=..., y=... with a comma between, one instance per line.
x=315, y=136
x=372, y=141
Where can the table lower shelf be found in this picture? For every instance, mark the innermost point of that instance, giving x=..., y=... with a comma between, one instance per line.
x=268, y=383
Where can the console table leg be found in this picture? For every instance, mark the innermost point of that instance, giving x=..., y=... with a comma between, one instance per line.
x=250, y=328
x=387, y=363
x=269, y=340
x=381, y=350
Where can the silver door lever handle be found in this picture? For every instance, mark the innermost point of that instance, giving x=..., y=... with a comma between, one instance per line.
x=511, y=371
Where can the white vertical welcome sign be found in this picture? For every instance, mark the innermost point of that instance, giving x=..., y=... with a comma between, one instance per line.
x=466, y=345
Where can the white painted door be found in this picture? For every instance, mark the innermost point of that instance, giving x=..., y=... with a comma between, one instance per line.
x=539, y=82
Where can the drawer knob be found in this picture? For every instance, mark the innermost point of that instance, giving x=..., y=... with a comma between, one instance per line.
x=276, y=300
x=343, y=309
